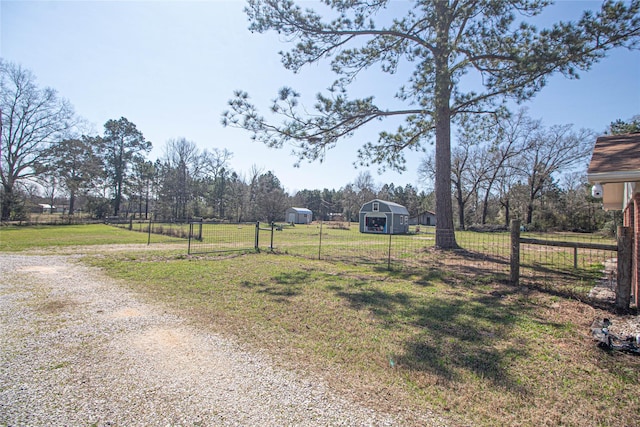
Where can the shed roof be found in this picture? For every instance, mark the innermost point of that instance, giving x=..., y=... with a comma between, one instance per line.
x=615, y=158
x=301, y=210
x=393, y=207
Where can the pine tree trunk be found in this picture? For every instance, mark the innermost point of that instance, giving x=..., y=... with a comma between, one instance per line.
x=445, y=234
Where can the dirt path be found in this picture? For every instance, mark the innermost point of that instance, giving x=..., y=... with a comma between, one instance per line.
x=78, y=349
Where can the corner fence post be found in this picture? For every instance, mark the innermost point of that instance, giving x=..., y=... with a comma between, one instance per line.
x=623, y=285
x=514, y=276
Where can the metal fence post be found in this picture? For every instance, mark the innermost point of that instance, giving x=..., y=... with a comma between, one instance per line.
x=514, y=276
x=623, y=286
x=389, y=254
x=320, y=241
x=257, y=235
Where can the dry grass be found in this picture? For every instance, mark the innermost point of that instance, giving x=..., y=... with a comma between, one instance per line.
x=479, y=352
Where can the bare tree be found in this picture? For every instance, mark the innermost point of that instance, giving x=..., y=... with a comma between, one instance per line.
x=551, y=151
x=30, y=119
x=507, y=141
x=365, y=187
x=182, y=169
x=469, y=165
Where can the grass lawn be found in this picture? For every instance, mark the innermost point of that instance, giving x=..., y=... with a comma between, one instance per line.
x=477, y=351
x=20, y=238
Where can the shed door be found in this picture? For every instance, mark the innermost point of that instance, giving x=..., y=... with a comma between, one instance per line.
x=375, y=224
x=292, y=217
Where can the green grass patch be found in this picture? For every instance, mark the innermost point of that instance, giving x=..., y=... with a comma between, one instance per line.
x=483, y=353
x=17, y=238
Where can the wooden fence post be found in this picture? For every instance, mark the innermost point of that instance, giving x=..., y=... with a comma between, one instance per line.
x=623, y=285
x=514, y=276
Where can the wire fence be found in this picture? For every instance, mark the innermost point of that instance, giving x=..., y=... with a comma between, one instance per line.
x=53, y=219
x=222, y=237
x=567, y=271
x=157, y=232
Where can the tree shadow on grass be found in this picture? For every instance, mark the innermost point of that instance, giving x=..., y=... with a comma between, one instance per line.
x=460, y=333
x=281, y=286
x=464, y=337
x=380, y=303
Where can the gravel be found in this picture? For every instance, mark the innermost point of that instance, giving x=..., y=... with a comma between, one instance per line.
x=76, y=349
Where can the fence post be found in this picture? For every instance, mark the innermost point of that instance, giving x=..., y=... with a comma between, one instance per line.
x=273, y=226
x=257, y=235
x=623, y=285
x=320, y=241
x=514, y=276
x=389, y=254
x=149, y=233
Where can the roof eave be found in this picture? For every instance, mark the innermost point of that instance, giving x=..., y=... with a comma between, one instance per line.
x=618, y=176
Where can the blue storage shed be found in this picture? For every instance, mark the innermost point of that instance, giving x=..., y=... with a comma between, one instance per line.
x=382, y=217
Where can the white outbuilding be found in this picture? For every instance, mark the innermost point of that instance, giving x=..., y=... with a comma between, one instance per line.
x=298, y=216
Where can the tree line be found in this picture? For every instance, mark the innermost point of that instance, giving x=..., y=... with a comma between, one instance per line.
x=501, y=169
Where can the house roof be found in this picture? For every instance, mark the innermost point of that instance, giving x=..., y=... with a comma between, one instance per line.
x=615, y=158
x=427, y=213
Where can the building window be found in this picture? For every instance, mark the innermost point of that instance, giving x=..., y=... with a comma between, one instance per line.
x=376, y=207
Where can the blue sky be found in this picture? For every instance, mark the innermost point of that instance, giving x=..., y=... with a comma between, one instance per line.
x=170, y=67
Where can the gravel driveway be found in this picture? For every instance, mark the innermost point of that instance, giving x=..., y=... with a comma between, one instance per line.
x=79, y=350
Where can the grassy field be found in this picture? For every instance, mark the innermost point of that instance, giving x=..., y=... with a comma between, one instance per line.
x=468, y=346
x=481, y=254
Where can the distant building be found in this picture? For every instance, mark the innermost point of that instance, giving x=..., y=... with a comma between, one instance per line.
x=298, y=216
x=424, y=218
x=47, y=208
x=382, y=217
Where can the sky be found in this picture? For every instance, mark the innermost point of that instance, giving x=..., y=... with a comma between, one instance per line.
x=171, y=66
